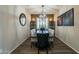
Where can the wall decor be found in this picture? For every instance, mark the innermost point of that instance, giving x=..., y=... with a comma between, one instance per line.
x=66, y=19
x=22, y=19
x=60, y=21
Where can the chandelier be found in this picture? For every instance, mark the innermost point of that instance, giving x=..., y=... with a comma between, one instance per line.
x=42, y=15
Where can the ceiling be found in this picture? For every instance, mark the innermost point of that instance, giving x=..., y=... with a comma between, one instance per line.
x=37, y=9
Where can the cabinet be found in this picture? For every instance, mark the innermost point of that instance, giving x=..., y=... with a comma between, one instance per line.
x=32, y=24
x=52, y=24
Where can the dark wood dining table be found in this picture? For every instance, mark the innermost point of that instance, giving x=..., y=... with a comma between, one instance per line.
x=41, y=32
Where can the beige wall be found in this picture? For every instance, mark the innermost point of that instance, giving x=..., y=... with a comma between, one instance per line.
x=69, y=34
x=12, y=34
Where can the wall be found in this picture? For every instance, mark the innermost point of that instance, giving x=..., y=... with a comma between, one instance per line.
x=12, y=34
x=69, y=34
x=3, y=26
x=22, y=31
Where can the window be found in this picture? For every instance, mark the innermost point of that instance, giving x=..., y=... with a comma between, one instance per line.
x=42, y=23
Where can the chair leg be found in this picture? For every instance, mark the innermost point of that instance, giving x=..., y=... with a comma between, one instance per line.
x=31, y=44
x=38, y=50
x=52, y=44
x=47, y=51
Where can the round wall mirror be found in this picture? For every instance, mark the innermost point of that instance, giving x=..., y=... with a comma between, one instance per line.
x=22, y=19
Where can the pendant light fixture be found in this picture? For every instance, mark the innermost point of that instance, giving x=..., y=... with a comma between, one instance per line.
x=42, y=17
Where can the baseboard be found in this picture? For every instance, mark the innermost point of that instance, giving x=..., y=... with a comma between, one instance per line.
x=16, y=46
x=69, y=46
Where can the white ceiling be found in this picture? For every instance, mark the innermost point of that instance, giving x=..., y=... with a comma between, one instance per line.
x=37, y=9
